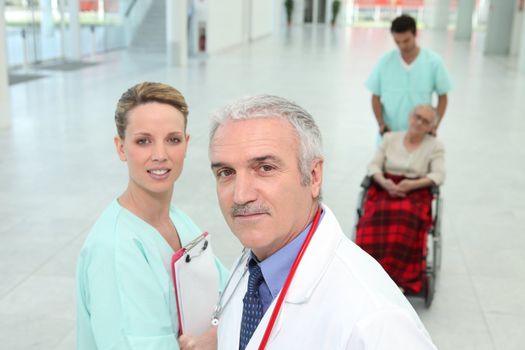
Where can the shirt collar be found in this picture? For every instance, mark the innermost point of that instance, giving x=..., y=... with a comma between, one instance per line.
x=276, y=267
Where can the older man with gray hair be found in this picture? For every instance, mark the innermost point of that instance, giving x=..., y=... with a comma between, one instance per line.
x=301, y=283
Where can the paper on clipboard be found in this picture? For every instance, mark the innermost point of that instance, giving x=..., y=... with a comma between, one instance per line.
x=196, y=282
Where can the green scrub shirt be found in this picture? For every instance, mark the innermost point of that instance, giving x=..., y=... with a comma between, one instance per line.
x=401, y=89
x=125, y=295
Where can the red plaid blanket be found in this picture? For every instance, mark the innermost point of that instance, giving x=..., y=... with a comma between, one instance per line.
x=394, y=232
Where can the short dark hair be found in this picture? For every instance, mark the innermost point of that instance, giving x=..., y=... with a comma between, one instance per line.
x=402, y=24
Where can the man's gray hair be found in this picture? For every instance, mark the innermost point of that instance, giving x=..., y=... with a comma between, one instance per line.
x=268, y=106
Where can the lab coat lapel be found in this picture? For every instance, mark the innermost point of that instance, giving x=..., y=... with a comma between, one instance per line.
x=233, y=311
x=315, y=261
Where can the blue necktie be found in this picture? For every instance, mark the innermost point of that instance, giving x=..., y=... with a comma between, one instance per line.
x=252, y=311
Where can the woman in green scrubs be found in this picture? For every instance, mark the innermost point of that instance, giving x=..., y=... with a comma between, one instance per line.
x=125, y=296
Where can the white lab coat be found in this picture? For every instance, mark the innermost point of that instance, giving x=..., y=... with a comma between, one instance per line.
x=340, y=298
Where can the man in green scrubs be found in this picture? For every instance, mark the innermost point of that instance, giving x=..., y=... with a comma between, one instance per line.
x=405, y=78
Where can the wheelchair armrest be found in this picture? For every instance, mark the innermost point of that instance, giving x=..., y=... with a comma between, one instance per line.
x=436, y=208
x=367, y=181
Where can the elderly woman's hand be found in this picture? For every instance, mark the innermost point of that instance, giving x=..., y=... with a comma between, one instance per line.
x=392, y=189
x=206, y=341
x=405, y=186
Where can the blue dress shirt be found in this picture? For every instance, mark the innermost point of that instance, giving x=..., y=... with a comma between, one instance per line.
x=276, y=267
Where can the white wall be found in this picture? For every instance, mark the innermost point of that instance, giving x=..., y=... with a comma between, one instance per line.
x=229, y=23
x=262, y=12
x=225, y=25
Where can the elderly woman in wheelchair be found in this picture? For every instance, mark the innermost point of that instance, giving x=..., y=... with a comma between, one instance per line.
x=397, y=209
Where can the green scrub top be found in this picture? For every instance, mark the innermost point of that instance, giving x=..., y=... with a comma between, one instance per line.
x=125, y=294
x=401, y=89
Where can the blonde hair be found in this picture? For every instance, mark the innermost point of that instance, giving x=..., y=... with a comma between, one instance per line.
x=148, y=92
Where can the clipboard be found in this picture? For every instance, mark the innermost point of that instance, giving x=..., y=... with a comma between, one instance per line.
x=196, y=283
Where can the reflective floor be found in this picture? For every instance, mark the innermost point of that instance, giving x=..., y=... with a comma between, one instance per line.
x=59, y=170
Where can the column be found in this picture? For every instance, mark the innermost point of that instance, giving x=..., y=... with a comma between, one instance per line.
x=464, y=20
x=62, y=12
x=298, y=11
x=499, y=27
x=74, y=53
x=46, y=19
x=5, y=118
x=279, y=17
x=247, y=21
x=515, y=41
x=481, y=15
x=436, y=14
x=177, y=32
x=521, y=50
x=342, y=20
x=315, y=11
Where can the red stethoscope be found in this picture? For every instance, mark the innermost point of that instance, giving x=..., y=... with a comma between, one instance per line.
x=220, y=307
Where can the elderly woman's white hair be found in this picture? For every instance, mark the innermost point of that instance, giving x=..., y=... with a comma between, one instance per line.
x=435, y=114
x=268, y=106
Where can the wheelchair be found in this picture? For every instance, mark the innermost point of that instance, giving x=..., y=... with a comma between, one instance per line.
x=433, y=251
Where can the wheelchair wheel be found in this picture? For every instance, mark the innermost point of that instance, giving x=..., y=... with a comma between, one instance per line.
x=430, y=288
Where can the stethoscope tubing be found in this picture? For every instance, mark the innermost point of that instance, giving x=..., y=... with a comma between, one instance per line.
x=220, y=306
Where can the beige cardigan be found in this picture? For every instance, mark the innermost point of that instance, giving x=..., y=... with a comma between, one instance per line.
x=392, y=157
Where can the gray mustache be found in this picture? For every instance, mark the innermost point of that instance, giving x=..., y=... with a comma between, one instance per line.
x=248, y=209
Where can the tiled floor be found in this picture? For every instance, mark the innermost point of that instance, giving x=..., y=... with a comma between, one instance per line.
x=59, y=171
